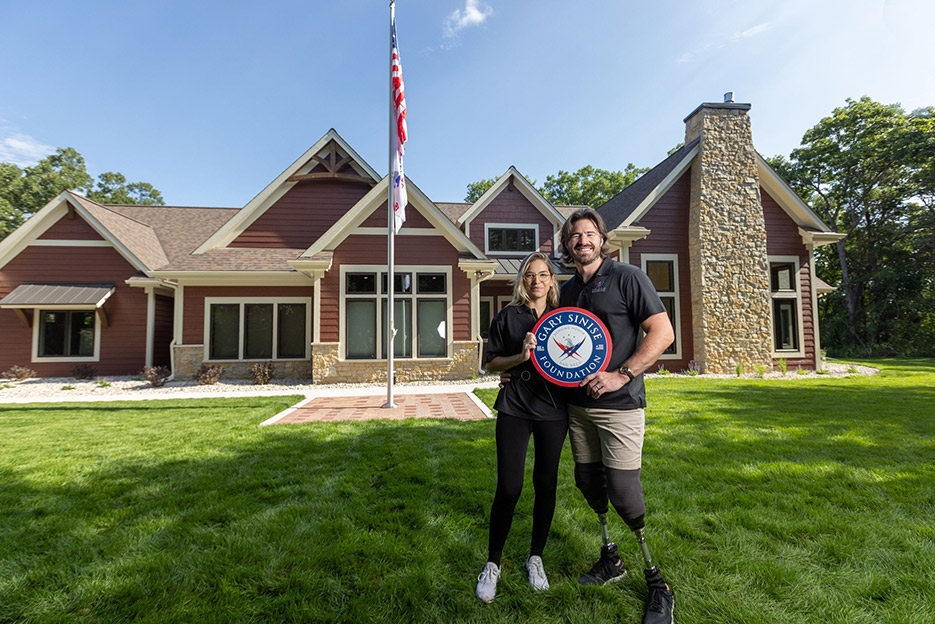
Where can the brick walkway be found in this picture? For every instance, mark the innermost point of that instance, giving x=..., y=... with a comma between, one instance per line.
x=456, y=405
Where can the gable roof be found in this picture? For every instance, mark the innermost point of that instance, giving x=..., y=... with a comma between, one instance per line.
x=331, y=146
x=519, y=181
x=630, y=204
x=344, y=226
x=135, y=241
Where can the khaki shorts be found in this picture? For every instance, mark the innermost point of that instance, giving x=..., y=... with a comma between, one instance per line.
x=611, y=436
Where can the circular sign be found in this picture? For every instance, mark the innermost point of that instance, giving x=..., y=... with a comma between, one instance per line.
x=571, y=343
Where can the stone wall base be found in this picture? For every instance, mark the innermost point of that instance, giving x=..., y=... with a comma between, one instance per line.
x=327, y=367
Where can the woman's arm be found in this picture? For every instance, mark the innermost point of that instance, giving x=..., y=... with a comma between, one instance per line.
x=506, y=362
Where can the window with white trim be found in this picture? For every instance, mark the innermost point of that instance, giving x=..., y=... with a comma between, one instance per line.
x=663, y=272
x=66, y=334
x=260, y=328
x=421, y=303
x=486, y=315
x=786, y=310
x=511, y=239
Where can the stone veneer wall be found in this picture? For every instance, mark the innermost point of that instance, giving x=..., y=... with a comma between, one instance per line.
x=330, y=368
x=188, y=360
x=727, y=244
x=327, y=367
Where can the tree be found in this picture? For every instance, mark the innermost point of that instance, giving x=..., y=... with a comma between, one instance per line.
x=25, y=191
x=867, y=169
x=476, y=189
x=588, y=186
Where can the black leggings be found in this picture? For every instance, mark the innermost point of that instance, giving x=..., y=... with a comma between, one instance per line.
x=512, y=440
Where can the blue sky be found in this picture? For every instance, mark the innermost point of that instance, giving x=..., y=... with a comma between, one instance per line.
x=209, y=101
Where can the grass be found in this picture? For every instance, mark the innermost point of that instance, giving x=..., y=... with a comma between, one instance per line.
x=795, y=500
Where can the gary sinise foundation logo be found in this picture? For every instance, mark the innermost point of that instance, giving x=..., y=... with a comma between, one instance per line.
x=571, y=343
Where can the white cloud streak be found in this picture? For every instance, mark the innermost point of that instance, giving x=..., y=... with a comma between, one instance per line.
x=23, y=150
x=728, y=41
x=475, y=13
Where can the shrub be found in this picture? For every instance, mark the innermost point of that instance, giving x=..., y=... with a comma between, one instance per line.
x=760, y=370
x=68, y=387
x=852, y=369
x=84, y=371
x=101, y=383
x=208, y=375
x=801, y=371
x=662, y=370
x=262, y=372
x=693, y=369
x=156, y=375
x=782, y=365
x=740, y=369
x=19, y=373
x=823, y=371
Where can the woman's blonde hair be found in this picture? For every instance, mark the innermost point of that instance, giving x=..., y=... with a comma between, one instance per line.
x=521, y=292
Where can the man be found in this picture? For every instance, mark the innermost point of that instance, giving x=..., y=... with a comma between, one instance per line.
x=606, y=413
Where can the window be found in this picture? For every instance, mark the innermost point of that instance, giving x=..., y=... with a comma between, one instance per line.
x=663, y=270
x=787, y=306
x=486, y=316
x=421, y=304
x=69, y=334
x=511, y=239
x=257, y=329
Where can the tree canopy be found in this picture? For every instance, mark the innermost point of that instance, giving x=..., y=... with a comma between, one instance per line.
x=23, y=191
x=868, y=170
x=589, y=186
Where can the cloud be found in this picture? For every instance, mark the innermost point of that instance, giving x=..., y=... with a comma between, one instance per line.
x=475, y=13
x=23, y=150
x=725, y=42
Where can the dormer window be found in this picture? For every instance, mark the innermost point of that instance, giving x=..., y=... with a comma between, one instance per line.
x=511, y=239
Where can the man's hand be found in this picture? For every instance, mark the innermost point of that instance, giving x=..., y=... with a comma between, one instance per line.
x=603, y=381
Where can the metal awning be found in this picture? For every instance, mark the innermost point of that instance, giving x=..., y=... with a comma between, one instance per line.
x=62, y=296
x=507, y=267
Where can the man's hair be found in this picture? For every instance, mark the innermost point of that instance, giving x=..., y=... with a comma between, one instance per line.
x=582, y=213
x=521, y=291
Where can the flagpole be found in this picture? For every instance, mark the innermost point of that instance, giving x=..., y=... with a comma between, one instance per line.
x=391, y=240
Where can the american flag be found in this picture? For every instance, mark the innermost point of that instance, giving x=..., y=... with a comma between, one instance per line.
x=398, y=134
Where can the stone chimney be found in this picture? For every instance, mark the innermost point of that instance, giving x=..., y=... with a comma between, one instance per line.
x=727, y=243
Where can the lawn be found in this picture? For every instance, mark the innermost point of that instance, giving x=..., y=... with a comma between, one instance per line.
x=799, y=500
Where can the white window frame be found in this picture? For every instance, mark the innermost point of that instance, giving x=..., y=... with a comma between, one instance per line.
x=795, y=294
x=37, y=321
x=677, y=303
x=510, y=226
x=414, y=297
x=241, y=301
x=502, y=302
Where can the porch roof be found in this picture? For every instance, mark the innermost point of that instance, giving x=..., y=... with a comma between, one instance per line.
x=58, y=295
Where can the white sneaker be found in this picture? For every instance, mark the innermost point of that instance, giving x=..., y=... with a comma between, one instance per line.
x=536, y=573
x=487, y=582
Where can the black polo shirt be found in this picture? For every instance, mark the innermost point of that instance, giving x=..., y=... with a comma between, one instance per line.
x=622, y=296
x=528, y=395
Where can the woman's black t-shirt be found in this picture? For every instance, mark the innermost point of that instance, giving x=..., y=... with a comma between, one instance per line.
x=528, y=395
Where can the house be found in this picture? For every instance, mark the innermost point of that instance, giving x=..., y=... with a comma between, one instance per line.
x=298, y=276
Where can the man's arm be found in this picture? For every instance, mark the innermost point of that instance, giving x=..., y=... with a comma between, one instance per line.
x=659, y=336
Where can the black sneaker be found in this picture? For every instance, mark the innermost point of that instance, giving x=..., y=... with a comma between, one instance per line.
x=608, y=568
x=661, y=606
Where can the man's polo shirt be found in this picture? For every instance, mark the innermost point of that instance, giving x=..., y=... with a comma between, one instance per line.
x=528, y=395
x=622, y=296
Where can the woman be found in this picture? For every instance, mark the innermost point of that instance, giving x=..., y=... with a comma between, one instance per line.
x=525, y=406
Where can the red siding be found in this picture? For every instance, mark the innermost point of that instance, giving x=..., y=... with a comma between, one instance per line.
x=162, y=336
x=123, y=342
x=194, y=314
x=302, y=215
x=414, y=218
x=512, y=207
x=668, y=222
x=783, y=239
x=71, y=229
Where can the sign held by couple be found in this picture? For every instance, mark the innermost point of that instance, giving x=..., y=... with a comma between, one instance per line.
x=571, y=344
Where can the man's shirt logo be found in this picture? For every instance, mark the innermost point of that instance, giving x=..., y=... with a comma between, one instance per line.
x=571, y=343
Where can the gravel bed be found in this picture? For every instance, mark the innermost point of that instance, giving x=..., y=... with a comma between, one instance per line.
x=105, y=388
